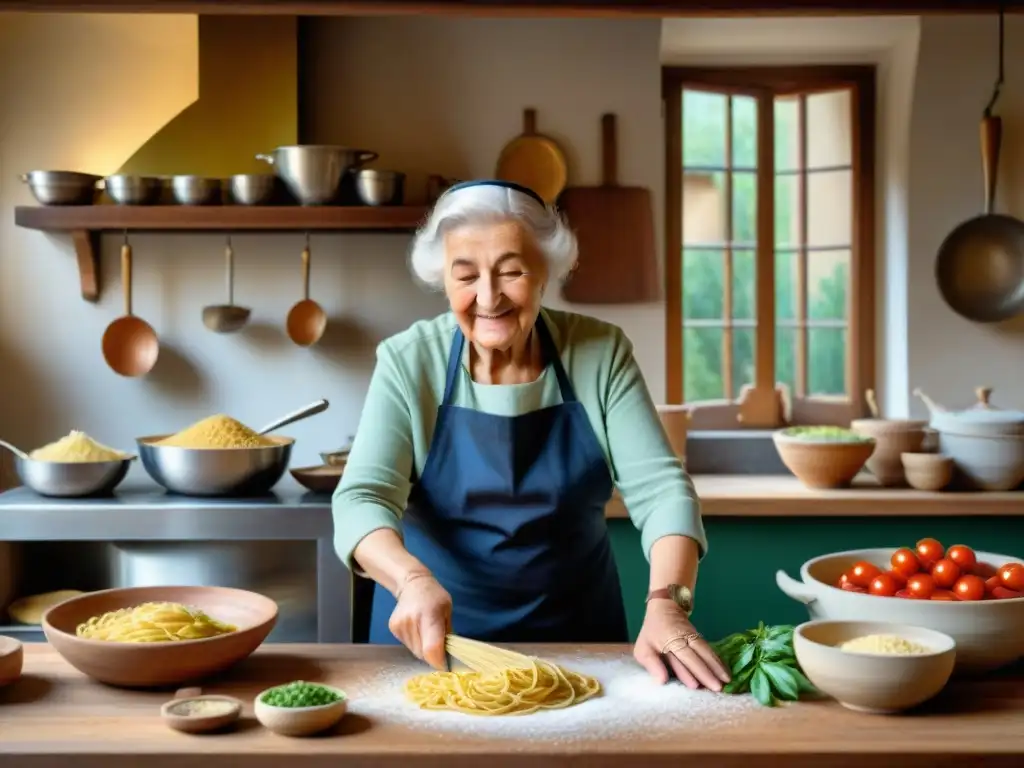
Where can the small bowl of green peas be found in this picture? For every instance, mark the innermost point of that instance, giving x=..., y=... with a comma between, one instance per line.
x=299, y=708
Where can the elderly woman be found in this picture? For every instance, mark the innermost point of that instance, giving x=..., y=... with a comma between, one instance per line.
x=490, y=441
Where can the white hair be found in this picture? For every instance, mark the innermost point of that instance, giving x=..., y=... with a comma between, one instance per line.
x=485, y=203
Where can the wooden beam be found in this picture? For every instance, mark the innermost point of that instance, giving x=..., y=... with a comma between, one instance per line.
x=563, y=8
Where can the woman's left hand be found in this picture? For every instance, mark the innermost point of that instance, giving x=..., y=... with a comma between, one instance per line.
x=668, y=638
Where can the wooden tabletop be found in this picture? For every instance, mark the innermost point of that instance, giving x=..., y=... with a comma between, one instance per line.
x=54, y=714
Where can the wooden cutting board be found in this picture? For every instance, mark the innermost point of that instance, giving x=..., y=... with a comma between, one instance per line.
x=618, y=263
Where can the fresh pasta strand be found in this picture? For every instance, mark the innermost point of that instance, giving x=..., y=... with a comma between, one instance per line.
x=499, y=682
x=152, y=623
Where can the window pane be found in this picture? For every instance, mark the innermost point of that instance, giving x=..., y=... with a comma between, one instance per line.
x=829, y=208
x=826, y=361
x=744, y=284
x=787, y=210
x=828, y=129
x=742, y=359
x=787, y=133
x=704, y=211
x=786, y=274
x=702, y=364
x=744, y=132
x=703, y=281
x=703, y=129
x=828, y=284
x=785, y=357
x=744, y=207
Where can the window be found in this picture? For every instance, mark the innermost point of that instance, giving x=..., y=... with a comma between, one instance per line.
x=769, y=235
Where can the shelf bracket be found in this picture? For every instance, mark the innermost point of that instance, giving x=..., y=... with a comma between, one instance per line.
x=87, y=249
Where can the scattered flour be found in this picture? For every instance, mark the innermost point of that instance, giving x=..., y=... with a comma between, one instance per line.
x=632, y=705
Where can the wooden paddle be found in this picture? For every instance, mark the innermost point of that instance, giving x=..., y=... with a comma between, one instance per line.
x=618, y=263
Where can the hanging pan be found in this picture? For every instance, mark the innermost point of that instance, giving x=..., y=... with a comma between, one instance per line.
x=980, y=266
x=534, y=160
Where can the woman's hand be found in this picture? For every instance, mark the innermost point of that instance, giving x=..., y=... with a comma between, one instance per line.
x=668, y=637
x=421, y=618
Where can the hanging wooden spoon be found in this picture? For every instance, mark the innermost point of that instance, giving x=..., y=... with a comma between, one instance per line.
x=130, y=345
x=226, y=318
x=306, y=320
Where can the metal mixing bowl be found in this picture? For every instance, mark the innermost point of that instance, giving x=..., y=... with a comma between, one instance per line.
x=196, y=190
x=252, y=188
x=313, y=173
x=380, y=187
x=72, y=479
x=128, y=189
x=215, y=471
x=62, y=187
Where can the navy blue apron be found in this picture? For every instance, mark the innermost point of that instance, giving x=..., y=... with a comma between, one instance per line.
x=508, y=515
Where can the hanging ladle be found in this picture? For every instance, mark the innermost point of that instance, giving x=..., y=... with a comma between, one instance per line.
x=130, y=345
x=306, y=320
x=226, y=318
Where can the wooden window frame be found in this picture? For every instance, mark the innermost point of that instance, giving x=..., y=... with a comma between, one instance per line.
x=766, y=404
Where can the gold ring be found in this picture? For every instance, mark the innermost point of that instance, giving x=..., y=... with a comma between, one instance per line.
x=679, y=642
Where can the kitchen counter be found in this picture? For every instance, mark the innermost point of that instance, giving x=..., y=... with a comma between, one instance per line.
x=54, y=715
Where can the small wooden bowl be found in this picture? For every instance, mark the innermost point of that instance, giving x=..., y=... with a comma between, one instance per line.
x=322, y=479
x=175, y=715
x=300, y=721
x=12, y=657
x=927, y=471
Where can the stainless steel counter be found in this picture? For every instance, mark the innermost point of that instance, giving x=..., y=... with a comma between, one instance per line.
x=146, y=513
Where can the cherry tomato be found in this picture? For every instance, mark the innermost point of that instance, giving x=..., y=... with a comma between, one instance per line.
x=969, y=588
x=929, y=551
x=920, y=586
x=899, y=577
x=863, y=573
x=945, y=573
x=905, y=561
x=843, y=580
x=850, y=587
x=902, y=593
x=963, y=556
x=884, y=585
x=1012, y=576
x=1002, y=593
x=943, y=594
x=991, y=583
x=985, y=570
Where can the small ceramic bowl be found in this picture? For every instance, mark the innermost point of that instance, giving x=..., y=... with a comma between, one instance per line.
x=927, y=471
x=12, y=656
x=300, y=721
x=868, y=682
x=201, y=714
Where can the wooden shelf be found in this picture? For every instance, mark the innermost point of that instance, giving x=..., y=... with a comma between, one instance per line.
x=86, y=223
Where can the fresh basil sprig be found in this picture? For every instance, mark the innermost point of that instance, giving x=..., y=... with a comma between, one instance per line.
x=762, y=663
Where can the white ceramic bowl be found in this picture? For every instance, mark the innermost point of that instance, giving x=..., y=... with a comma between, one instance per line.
x=868, y=682
x=988, y=633
x=300, y=721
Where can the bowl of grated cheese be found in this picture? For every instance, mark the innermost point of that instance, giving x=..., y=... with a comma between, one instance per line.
x=875, y=667
x=75, y=466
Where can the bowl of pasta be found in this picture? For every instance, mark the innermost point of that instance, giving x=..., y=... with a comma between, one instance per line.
x=150, y=637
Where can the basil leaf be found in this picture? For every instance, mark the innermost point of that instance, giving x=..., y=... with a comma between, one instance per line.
x=740, y=683
x=779, y=631
x=803, y=684
x=743, y=659
x=782, y=680
x=776, y=648
x=761, y=688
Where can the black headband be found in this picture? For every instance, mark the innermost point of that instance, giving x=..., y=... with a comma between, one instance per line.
x=496, y=183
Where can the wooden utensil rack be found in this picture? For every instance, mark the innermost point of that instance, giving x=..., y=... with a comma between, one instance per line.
x=86, y=223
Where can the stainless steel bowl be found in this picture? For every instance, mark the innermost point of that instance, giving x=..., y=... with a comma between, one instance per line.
x=62, y=187
x=196, y=190
x=380, y=187
x=215, y=471
x=73, y=479
x=252, y=188
x=313, y=172
x=128, y=189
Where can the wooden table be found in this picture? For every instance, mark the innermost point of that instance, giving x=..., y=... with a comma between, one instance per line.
x=56, y=717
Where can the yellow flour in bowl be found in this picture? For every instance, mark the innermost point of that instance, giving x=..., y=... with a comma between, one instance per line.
x=76, y=447
x=217, y=432
x=884, y=645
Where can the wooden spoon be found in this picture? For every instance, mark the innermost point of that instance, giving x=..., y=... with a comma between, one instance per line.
x=130, y=345
x=869, y=395
x=227, y=318
x=306, y=320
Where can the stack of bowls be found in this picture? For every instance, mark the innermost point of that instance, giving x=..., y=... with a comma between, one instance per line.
x=893, y=438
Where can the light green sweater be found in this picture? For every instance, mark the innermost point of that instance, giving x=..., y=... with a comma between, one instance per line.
x=407, y=387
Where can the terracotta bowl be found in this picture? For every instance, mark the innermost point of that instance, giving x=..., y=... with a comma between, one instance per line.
x=322, y=479
x=823, y=463
x=151, y=665
x=868, y=682
x=12, y=657
x=892, y=438
x=927, y=471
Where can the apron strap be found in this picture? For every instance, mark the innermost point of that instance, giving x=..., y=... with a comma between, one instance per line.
x=548, y=351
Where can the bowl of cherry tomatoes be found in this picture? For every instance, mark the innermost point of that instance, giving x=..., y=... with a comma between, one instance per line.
x=975, y=597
